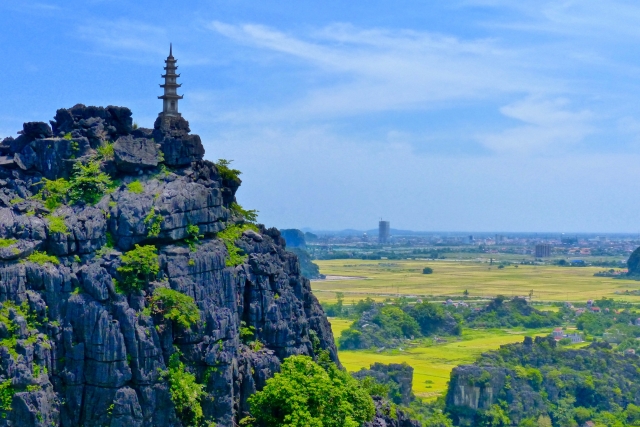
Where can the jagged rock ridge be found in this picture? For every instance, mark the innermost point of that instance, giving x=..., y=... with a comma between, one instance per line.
x=74, y=350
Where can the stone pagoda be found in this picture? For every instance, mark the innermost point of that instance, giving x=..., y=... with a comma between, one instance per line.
x=170, y=86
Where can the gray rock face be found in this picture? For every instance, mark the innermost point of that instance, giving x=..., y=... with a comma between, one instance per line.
x=400, y=374
x=85, y=354
x=134, y=154
x=389, y=416
x=470, y=391
x=179, y=148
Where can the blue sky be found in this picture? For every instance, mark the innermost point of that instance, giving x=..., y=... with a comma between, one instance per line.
x=478, y=115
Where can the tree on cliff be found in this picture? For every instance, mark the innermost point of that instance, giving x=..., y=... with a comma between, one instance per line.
x=305, y=394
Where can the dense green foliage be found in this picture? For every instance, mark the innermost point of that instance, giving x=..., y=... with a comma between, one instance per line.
x=139, y=266
x=306, y=394
x=503, y=313
x=382, y=327
x=569, y=386
x=594, y=324
x=226, y=172
x=42, y=258
x=433, y=318
x=8, y=318
x=427, y=270
x=6, y=396
x=88, y=183
x=186, y=393
x=337, y=309
x=388, y=325
x=229, y=236
x=175, y=306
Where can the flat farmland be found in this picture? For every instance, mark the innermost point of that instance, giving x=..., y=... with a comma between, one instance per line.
x=433, y=363
x=382, y=279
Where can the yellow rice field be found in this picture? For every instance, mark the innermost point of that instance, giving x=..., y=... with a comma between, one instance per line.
x=382, y=279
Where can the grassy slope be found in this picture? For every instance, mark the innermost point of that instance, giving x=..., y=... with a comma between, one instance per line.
x=549, y=283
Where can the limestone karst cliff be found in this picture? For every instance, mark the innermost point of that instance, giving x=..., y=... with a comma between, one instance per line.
x=75, y=349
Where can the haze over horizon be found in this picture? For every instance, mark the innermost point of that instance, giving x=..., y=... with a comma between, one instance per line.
x=462, y=115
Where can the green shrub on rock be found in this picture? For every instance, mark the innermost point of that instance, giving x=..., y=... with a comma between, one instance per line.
x=175, y=306
x=186, y=393
x=139, y=267
x=153, y=222
x=136, y=187
x=57, y=224
x=6, y=395
x=5, y=243
x=229, y=236
x=42, y=258
x=225, y=171
x=249, y=215
x=88, y=183
x=54, y=192
x=106, y=151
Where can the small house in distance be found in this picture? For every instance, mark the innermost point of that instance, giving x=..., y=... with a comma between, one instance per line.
x=558, y=334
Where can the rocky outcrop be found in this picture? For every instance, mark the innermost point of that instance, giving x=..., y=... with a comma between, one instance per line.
x=75, y=349
x=388, y=415
x=530, y=380
x=294, y=238
x=399, y=378
x=633, y=264
x=135, y=154
x=179, y=148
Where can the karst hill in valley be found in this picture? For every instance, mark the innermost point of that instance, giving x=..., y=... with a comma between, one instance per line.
x=134, y=290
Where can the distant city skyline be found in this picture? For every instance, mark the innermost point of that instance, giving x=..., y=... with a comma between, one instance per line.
x=477, y=115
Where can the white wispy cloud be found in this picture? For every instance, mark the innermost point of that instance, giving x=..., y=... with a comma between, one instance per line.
x=395, y=69
x=409, y=70
x=31, y=6
x=545, y=125
x=125, y=37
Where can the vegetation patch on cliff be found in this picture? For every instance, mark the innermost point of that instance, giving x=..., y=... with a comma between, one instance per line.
x=305, y=393
x=186, y=393
x=139, y=266
x=175, y=306
x=43, y=258
x=56, y=224
x=5, y=243
x=229, y=236
x=136, y=187
x=225, y=171
x=539, y=379
x=249, y=215
x=88, y=183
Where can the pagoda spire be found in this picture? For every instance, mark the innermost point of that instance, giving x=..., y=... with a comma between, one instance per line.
x=170, y=97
